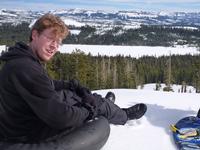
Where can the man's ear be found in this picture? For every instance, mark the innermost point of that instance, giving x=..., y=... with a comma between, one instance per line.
x=34, y=34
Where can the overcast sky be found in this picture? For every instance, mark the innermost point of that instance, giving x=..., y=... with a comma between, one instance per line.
x=139, y=5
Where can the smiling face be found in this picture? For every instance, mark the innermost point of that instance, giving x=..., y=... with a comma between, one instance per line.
x=45, y=44
x=46, y=36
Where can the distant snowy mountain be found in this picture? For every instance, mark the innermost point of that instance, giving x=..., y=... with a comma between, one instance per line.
x=99, y=18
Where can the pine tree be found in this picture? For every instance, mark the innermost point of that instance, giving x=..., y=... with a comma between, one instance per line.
x=115, y=77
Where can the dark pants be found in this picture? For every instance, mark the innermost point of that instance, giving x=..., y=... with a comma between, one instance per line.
x=112, y=112
x=108, y=109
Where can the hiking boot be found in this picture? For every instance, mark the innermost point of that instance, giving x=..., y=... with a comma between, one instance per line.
x=136, y=111
x=110, y=96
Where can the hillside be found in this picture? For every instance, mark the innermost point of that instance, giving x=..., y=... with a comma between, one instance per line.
x=143, y=36
x=109, y=28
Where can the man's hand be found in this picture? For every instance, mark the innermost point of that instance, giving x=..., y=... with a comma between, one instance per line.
x=82, y=91
x=75, y=86
x=91, y=99
x=71, y=84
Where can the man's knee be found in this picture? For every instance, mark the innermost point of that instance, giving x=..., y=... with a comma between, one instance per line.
x=112, y=112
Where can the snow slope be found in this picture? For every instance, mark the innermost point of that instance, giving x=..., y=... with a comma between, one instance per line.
x=152, y=131
x=133, y=51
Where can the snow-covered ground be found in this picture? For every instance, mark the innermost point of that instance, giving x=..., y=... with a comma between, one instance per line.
x=176, y=88
x=133, y=51
x=152, y=131
x=2, y=48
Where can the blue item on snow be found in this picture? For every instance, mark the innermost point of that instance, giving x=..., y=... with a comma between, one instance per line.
x=186, y=133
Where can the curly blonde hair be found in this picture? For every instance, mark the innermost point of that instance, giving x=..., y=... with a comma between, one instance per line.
x=50, y=21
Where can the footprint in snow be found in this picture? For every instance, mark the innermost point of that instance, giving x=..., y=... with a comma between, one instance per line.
x=135, y=123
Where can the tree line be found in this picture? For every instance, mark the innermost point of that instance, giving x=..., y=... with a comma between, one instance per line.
x=100, y=72
x=10, y=34
x=146, y=36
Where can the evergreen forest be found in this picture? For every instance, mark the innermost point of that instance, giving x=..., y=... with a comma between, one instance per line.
x=100, y=72
x=145, y=36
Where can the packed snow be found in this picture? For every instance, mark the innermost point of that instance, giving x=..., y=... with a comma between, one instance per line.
x=151, y=132
x=133, y=51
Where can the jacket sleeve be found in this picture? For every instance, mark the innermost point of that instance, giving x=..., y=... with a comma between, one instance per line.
x=34, y=86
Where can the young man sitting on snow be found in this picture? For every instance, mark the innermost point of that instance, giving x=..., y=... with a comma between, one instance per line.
x=34, y=107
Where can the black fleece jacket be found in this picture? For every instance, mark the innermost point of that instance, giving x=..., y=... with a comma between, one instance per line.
x=29, y=101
